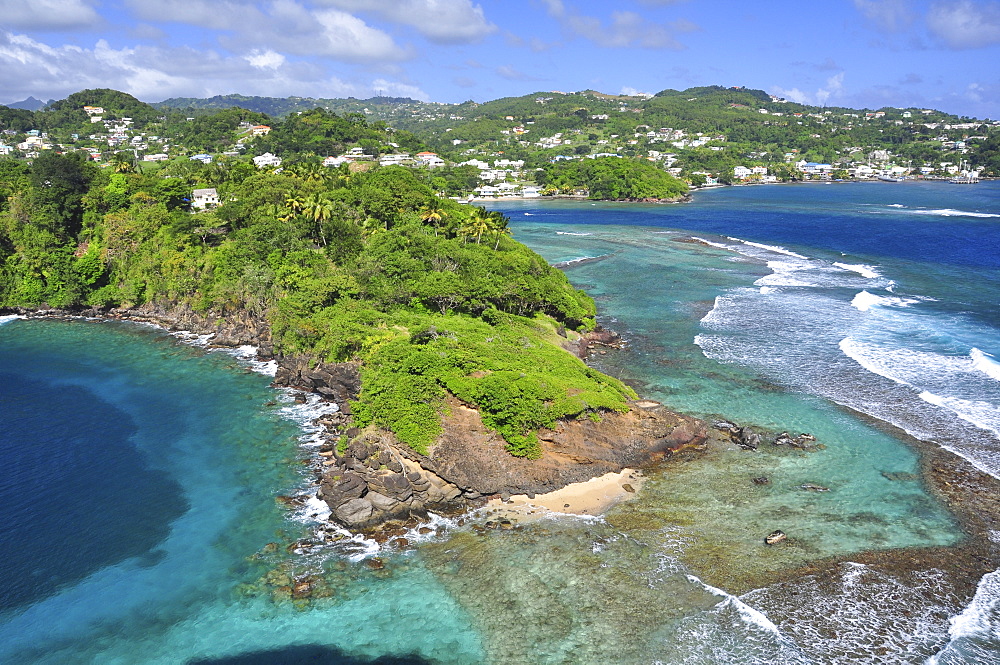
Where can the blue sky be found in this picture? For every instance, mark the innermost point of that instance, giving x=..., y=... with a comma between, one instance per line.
x=864, y=53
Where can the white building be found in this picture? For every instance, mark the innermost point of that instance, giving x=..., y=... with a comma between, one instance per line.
x=267, y=159
x=204, y=198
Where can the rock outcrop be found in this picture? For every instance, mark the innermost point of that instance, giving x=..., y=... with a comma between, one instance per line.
x=336, y=382
x=375, y=478
x=373, y=481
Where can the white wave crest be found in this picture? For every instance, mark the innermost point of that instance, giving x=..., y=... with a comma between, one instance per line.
x=8, y=319
x=750, y=615
x=569, y=233
x=951, y=212
x=985, y=363
x=981, y=414
x=863, y=355
x=771, y=248
x=895, y=205
x=247, y=355
x=579, y=259
x=865, y=301
x=978, y=623
x=784, y=274
x=864, y=270
x=194, y=339
x=710, y=243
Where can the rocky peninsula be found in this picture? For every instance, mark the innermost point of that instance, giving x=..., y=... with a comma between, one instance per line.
x=369, y=477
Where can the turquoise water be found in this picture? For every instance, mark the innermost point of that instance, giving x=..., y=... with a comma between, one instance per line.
x=193, y=449
x=144, y=479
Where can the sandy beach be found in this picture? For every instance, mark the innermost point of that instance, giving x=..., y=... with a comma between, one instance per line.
x=591, y=497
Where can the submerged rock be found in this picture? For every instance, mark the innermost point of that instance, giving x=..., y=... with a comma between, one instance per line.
x=745, y=438
x=775, y=537
x=814, y=488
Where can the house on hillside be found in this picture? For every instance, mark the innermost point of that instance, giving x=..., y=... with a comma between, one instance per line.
x=267, y=159
x=336, y=161
x=202, y=199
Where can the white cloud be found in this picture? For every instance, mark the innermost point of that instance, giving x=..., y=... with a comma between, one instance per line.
x=834, y=86
x=217, y=14
x=791, y=94
x=30, y=67
x=440, y=21
x=47, y=14
x=267, y=59
x=833, y=89
x=888, y=15
x=964, y=24
x=280, y=25
x=629, y=91
x=397, y=89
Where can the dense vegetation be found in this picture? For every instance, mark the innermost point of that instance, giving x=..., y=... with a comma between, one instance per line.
x=610, y=178
x=432, y=297
x=366, y=263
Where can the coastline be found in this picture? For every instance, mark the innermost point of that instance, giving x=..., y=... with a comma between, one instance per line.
x=688, y=197
x=467, y=467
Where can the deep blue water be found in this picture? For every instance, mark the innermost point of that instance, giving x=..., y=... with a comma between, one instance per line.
x=52, y=467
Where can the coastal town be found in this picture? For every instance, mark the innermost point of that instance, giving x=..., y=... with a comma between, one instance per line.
x=509, y=149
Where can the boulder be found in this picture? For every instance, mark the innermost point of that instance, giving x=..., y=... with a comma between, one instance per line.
x=775, y=537
x=745, y=438
x=356, y=512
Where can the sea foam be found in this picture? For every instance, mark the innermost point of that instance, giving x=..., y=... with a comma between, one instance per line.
x=978, y=622
x=985, y=363
x=864, y=270
x=771, y=248
x=865, y=301
x=951, y=212
x=749, y=614
x=8, y=319
x=981, y=414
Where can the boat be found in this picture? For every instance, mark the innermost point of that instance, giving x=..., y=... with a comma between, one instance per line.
x=890, y=178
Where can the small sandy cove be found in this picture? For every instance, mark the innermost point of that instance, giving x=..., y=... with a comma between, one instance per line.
x=591, y=497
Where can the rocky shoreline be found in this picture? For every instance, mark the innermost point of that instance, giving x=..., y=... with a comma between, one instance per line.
x=368, y=478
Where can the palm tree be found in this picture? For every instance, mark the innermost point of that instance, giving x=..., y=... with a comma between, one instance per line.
x=478, y=223
x=432, y=213
x=318, y=209
x=123, y=163
x=500, y=226
x=293, y=206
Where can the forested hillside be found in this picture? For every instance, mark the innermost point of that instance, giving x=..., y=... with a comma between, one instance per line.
x=432, y=297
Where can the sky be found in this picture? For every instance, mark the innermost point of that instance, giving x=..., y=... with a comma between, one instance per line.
x=942, y=54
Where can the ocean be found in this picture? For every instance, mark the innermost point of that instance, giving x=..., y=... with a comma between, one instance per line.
x=147, y=477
